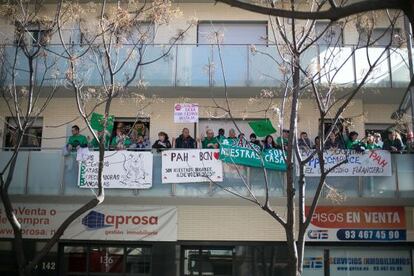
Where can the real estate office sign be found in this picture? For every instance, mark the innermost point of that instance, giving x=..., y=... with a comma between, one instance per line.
x=105, y=222
x=353, y=223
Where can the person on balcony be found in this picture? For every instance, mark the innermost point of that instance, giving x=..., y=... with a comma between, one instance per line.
x=77, y=140
x=317, y=143
x=304, y=142
x=221, y=135
x=392, y=143
x=232, y=134
x=210, y=142
x=334, y=142
x=370, y=144
x=95, y=143
x=354, y=143
x=410, y=142
x=255, y=141
x=282, y=141
x=139, y=143
x=121, y=141
x=185, y=141
x=269, y=143
x=163, y=142
x=378, y=140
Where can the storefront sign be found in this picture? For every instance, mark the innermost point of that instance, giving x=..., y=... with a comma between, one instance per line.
x=240, y=152
x=370, y=163
x=122, y=169
x=350, y=223
x=105, y=222
x=185, y=113
x=368, y=262
x=188, y=166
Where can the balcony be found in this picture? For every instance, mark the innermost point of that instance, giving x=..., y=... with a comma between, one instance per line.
x=49, y=173
x=199, y=66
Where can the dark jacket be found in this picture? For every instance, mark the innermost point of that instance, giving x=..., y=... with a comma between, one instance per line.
x=185, y=143
x=304, y=143
x=393, y=143
x=338, y=144
x=161, y=145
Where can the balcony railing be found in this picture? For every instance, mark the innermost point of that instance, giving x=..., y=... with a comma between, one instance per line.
x=199, y=65
x=48, y=172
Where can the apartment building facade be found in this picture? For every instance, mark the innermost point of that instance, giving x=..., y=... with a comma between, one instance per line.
x=198, y=228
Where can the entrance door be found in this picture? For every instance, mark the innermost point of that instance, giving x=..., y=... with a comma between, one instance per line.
x=102, y=260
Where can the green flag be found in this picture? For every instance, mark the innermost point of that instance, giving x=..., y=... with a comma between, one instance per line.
x=97, y=122
x=262, y=127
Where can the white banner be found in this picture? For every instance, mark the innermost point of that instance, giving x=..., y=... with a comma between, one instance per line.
x=185, y=113
x=105, y=222
x=122, y=169
x=187, y=166
x=369, y=163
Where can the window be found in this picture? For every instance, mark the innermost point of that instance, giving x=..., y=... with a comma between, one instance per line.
x=208, y=261
x=34, y=34
x=330, y=36
x=134, y=129
x=141, y=33
x=107, y=260
x=382, y=37
x=32, y=139
x=232, y=32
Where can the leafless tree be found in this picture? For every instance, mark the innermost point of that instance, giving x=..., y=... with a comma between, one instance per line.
x=301, y=80
x=113, y=49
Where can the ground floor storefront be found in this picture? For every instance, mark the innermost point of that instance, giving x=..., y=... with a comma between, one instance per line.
x=212, y=258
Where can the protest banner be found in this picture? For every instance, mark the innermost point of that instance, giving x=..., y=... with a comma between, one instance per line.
x=97, y=122
x=185, y=113
x=188, y=166
x=122, y=169
x=242, y=152
x=369, y=163
x=353, y=223
x=104, y=222
x=262, y=127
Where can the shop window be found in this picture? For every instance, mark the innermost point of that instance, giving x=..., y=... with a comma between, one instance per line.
x=32, y=139
x=208, y=261
x=232, y=32
x=107, y=260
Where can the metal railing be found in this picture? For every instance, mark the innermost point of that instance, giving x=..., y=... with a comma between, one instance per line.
x=192, y=65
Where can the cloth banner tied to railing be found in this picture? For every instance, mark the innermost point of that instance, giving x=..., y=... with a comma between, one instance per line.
x=367, y=163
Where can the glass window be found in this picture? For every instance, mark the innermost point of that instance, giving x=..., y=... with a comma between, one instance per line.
x=138, y=261
x=75, y=259
x=366, y=262
x=32, y=139
x=232, y=32
x=381, y=37
x=106, y=259
x=208, y=261
x=330, y=36
x=313, y=262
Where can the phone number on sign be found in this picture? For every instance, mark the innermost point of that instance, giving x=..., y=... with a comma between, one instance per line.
x=371, y=235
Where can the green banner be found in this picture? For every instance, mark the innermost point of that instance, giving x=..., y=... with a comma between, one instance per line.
x=242, y=152
x=262, y=127
x=97, y=122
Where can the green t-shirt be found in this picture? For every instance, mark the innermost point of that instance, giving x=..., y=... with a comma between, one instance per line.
x=116, y=140
x=352, y=144
x=206, y=141
x=95, y=143
x=372, y=146
x=78, y=140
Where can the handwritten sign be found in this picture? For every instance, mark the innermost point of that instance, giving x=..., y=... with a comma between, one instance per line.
x=369, y=163
x=186, y=113
x=122, y=169
x=189, y=166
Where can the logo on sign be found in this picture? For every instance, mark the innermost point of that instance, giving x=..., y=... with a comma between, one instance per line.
x=318, y=234
x=313, y=263
x=177, y=107
x=95, y=220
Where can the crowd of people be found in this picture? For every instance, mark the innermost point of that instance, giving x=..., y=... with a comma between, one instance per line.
x=123, y=140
